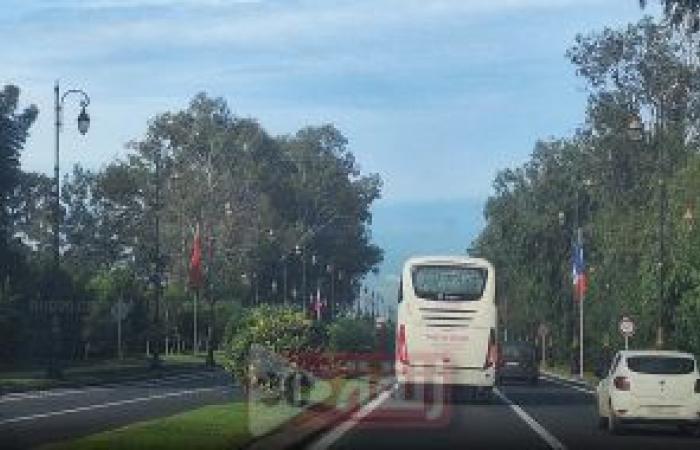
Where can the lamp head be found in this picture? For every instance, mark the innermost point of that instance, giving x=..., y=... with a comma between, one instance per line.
x=83, y=121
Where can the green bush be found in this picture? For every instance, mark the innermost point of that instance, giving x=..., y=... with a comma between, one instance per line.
x=280, y=329
x=349, y=334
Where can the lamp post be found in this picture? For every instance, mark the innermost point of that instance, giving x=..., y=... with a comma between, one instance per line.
x=331, y=272
x=300, y=252
x=158, y=266
x=637, y=133
x=577, y=263
x=53, y=371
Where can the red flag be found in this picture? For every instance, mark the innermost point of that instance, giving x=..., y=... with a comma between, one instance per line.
x=196, y=276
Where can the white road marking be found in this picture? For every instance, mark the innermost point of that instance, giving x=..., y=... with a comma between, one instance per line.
x=105, y=387
x=336, y=433
x=570, y=386
x=553, y=442
x=109, y=404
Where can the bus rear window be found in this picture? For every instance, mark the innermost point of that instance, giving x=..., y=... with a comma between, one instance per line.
x=657, y=365
x=449, y=283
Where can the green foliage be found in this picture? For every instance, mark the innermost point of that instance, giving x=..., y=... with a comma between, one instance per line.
x=349, y=334
x=14, y=129
x=680, y=12
x=629, y=196
x=256, y=197
x=280, y=329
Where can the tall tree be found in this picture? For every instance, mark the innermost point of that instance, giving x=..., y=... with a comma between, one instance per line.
x=680, y=12
x=14, y=129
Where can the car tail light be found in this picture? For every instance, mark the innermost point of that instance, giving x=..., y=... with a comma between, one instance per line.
x=622, y=383
x=491, y=350
x=697, y=386
x=401, y=346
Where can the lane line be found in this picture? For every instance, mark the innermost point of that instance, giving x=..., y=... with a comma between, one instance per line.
x=60, y=392
x=570, y=386
x=553, y=442
x=338, y=432
x=110, y=404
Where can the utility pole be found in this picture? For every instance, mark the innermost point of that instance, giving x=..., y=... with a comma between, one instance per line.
x=158, y=276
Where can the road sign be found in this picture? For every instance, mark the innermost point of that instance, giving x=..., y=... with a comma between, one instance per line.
x=627, y=330
x=626, y=326
x=542, y=330
x=120, y=310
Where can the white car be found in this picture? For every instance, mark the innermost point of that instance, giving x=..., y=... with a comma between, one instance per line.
x=650, y=387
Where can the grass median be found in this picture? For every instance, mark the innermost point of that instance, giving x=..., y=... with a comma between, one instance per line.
x=230, y=426
x=210, y=427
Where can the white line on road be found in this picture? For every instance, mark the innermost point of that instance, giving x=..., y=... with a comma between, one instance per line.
x=553, y=442
x=110, y=404
x=336, y=433
x=105, y=387
x=570, y=386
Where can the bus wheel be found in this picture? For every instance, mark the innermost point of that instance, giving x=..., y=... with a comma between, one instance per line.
x=407, y=391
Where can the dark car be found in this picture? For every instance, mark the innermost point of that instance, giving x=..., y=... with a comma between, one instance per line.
x=518, y=361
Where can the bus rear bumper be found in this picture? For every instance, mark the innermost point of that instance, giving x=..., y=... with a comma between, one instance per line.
x=440, y=375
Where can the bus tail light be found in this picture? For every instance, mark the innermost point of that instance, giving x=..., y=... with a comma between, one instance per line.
x=491, y=351
x=622, y=383
x=401, y=346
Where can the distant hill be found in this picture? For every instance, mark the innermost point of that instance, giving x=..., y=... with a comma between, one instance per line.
x=408, y=228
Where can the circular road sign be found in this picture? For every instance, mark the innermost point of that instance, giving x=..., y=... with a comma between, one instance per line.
x=626, y=326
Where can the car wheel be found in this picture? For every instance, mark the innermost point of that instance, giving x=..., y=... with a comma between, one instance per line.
x=613, y=423
x=486, y=395
x=692, y=430
x=408, y=391
x=602, y=422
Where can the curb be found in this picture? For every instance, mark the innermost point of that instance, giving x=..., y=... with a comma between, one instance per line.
x=305, y=428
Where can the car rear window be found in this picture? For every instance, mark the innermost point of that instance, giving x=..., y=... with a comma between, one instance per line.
x=513, y=352
x=661, y=365
x=449, y=283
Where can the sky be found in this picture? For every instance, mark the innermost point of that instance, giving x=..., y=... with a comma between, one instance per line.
x=435, y=96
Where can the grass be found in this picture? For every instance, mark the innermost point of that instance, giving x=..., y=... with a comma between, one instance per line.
x=210, y=427
x=231, y=426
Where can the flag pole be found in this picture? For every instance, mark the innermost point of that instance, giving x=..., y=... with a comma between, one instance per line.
x=195, y=342
x=581, y=289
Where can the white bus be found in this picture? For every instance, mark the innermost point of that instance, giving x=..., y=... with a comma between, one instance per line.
x=446, y=324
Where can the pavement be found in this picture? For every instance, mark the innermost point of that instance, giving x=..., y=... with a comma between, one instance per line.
x=555, y=414
x=33, y=418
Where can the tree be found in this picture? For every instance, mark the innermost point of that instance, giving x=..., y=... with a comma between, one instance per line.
x=14, y=129
x=628, y=196
x=680, y=12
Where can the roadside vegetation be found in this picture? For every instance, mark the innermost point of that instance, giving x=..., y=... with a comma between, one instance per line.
x=629, y=177
x=278, y=218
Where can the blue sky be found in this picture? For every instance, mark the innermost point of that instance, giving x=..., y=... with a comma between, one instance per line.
x=436, y=96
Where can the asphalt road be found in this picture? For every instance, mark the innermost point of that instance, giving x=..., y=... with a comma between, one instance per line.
x=550, y=415
x=34, y=418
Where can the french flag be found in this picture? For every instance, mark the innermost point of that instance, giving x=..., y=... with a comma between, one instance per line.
x=579, y=269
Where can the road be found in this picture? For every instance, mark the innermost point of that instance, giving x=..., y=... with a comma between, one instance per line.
x=553, y=414
x=39, y=417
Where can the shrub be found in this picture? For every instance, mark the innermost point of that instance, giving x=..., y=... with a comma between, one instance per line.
x=279, y=329
x=349, y=334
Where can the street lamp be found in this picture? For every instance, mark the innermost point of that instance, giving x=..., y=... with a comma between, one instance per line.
x=53, y=371
x=158, y=263
x=637, y=133
x=83, y=126
x=577, y=239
